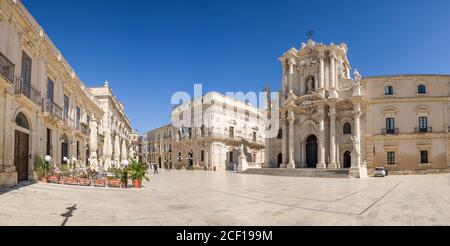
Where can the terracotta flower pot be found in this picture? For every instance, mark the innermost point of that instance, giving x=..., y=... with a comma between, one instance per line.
x=62, y=181
x=53, y=179
x=100, y=183
x=114, y=183
x=137, y=183
x=72, y=181
x=44, y=179
x=85, y=182
x=124, y=184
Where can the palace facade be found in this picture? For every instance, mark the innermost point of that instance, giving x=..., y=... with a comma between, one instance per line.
x=222, y=131
x=330, y=120
x=45, y=109
x=116, y=129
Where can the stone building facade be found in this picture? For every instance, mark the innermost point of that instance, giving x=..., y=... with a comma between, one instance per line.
x=116, y=128
x=330, y=120
x=224, y=132
x=136, y=146
x=45, y=109
x=157, y=146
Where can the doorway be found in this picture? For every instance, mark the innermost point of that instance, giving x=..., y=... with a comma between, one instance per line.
x=311, y=152
x=347, y=159
x=64, y=149
x=21, y=148
x=21, y=153
x=279, y=160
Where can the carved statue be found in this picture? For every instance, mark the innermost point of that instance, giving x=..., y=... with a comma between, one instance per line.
x=310, y=85
x=357, y=75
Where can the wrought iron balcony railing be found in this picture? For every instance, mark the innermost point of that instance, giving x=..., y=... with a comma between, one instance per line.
x=67, y=121
x=28, y=91
x=83, y=128
x=392, y=131
x=423, y=130
x=7, y=69
x=48, y=106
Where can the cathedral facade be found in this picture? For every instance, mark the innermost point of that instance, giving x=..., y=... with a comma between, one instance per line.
x=332, y=118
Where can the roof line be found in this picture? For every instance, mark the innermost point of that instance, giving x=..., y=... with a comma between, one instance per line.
x=406, y=75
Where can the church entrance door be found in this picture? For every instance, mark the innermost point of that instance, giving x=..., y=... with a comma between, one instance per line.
x=311, y=152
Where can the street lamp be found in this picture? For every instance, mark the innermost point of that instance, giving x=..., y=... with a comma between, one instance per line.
x=47, y=159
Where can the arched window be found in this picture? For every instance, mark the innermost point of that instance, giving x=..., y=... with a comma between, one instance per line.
x=22, y=121
x=421, y=89
x=389, y=90
x=347, y=129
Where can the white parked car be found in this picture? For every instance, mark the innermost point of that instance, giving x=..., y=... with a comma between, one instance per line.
x=380, y=172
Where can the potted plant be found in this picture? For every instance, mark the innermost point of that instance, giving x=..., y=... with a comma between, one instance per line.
x=100, y=182
x=85, y=178
x=122, y=175
x=114, y=181
x=62, y=173
x=42, y=167
x=137, y=173
x=54, y=177
x=72, y=178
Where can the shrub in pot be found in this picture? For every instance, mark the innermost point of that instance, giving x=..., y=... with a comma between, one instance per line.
x=42, y=167
x=100, y=182
x=137, y=173
x=122, y=175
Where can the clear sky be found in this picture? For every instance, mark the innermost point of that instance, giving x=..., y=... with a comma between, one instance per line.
x=148, y=50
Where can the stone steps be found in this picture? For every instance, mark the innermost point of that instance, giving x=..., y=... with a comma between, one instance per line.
x=303, y=172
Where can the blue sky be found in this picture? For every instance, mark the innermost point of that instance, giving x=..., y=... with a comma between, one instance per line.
x=148, y=50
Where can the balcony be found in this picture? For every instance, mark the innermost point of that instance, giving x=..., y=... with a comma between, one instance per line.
x=28, y=91
x=393, y=131
x=6, y=71
x=51, y=109
x=82, y=128
x=419, y=130
x=67, y=122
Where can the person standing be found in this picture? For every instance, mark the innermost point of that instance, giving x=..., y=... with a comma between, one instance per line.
x=155, y=169
x=167, y=167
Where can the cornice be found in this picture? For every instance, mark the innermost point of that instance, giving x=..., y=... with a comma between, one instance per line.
x=408, y=100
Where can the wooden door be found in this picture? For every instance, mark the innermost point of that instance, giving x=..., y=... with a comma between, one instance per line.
x=21, y=155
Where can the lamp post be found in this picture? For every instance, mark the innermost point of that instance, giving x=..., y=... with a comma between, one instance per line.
x=47, y=159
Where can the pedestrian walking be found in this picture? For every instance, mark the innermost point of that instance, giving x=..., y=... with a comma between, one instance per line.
x=167, y=167
x=155, y=169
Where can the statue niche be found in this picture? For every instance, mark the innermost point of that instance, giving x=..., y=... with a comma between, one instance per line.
x=310, y=85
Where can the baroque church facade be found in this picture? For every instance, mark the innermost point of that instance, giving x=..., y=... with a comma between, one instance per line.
x=330, y=119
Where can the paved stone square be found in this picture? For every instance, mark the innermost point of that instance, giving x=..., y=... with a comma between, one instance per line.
x=215, y=198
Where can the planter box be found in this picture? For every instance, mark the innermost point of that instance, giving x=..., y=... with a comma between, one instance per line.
x=85, y=182
x=72, y=181
x=100, y=183
x=53, y=179
x=62, y=181
x=114, y=183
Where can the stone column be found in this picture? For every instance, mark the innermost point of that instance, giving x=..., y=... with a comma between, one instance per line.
x=322, y=74
x=333, y=93
x=292, y=64
x=332, y=114
x=291, y=120
x=267, y=142
x=117, y=151
x=356, y=169
x=321, y=144
x=284, y=144
x=124, y=155
x=93, y=145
